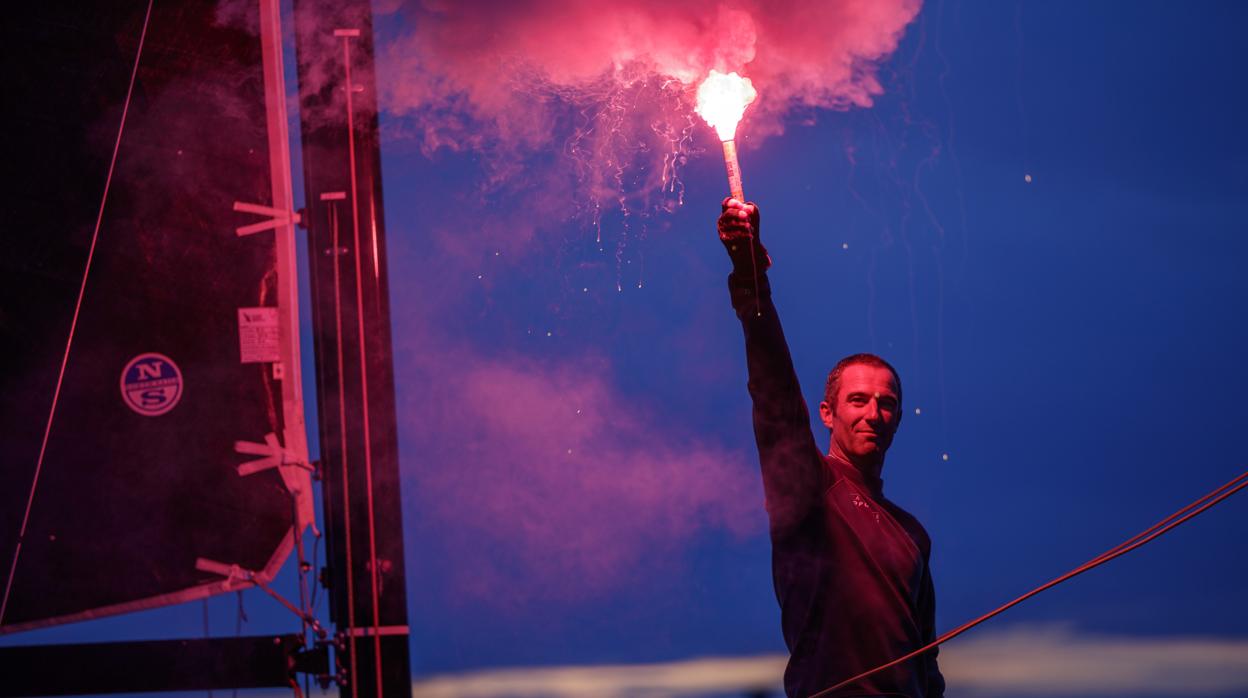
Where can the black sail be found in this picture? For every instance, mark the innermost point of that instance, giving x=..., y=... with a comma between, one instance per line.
x=175, y=352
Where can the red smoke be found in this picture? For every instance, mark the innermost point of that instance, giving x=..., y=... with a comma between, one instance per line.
x=472, y=72
x=545, y=482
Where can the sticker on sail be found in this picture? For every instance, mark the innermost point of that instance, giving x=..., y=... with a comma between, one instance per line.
x=259, y=337
x=151, y=384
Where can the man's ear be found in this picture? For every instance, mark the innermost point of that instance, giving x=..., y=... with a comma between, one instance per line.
x=826, y=414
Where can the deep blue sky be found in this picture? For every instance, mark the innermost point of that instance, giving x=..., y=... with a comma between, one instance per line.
x=1075, y=343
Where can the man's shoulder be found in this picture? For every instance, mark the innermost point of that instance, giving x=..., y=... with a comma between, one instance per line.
x=909, y=522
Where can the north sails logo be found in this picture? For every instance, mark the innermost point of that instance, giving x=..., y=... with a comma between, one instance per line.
x=151, y=384
x=858, y=501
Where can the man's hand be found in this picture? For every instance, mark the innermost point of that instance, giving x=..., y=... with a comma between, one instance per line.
x=738, y=230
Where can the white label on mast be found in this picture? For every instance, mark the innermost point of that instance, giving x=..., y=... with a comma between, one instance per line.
x=259, y=336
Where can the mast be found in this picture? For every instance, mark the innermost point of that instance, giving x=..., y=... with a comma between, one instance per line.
x=351, y=329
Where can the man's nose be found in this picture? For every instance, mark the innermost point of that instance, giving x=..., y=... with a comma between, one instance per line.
x=873, y=411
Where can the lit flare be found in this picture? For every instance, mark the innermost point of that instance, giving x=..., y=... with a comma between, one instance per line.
x=722, y=99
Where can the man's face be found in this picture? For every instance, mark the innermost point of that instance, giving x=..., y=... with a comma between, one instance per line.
x=866, y=413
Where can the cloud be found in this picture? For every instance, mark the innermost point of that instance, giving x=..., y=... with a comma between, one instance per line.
x=1059, y=661
x=692, y=677
x=1016, y=662
x=545, y=482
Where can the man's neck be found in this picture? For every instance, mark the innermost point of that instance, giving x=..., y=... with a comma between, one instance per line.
x=869, y=467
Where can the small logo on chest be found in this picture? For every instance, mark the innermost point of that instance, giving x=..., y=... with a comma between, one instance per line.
x=861, y=503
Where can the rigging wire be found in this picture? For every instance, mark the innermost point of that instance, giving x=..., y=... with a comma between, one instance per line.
x=316, y=569
x=239, y=619
x=1152, y=532
x=249, y=576
x=307, y=599
x=363, y=356
x=301, y=565
x=342, y=444
x=73, y=325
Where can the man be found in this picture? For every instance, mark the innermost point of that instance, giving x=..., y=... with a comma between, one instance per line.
x=850, y=567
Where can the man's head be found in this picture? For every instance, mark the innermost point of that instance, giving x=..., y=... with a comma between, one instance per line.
x=862, y=406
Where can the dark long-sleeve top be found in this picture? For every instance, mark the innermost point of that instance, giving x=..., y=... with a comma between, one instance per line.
x=850, y=567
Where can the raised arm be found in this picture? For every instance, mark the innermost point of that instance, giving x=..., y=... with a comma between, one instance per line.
x=791, y=462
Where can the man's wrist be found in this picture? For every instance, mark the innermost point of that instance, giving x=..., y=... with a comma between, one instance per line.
x=741, y=286
x=747, y=254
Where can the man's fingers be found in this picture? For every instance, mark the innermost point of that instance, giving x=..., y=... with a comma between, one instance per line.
x=734, y=209
x=737, y=220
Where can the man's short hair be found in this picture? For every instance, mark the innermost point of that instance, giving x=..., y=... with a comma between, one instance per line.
x=834, y=376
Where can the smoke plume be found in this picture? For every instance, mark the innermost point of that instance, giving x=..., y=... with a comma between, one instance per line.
x=474, y=74
x=545, y=482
